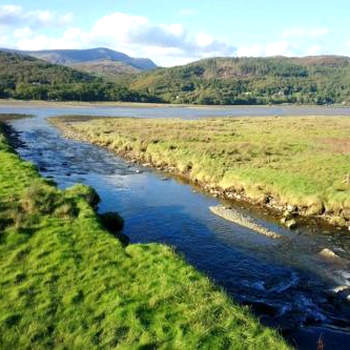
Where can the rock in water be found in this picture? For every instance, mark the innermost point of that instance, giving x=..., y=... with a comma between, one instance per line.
x=327, y=253
x=339, y=289
x=291, y=224
x=330, y=255
x=243, y=220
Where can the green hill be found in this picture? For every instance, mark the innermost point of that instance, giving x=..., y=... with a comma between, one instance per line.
x=316, y=80
x=25, y=77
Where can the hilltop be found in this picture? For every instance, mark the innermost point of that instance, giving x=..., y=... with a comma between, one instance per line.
x=90, y=56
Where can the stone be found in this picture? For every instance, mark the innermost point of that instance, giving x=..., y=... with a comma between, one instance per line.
x=243, y=220
x=291, y=224
x=291, y=208
x=339, y=289
x=329, y=254
x=287, y=215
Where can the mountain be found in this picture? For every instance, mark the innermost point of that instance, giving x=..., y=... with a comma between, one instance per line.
x=71, y=57
x=26, y=77
x=112, y=70
x=315, y=80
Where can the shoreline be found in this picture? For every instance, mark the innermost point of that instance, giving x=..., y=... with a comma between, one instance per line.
x=284, y=213
x=278, y=211
x=77, y=104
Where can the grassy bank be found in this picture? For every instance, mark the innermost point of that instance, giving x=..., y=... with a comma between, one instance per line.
x=279, y=161
x=68, y=283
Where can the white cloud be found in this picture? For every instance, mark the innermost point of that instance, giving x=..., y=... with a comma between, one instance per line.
x=176, y=29
x=72, y=38
x=313, y=50
x=278, y=48
x=251, y=51
x=293, y=42
x=204, y=40
x=167, y=44
x=13, y=16
x=66, y=19
x=9, y=14
x=22, y=33
x=136, y=35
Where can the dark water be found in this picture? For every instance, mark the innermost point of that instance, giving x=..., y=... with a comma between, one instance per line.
x=287, y=284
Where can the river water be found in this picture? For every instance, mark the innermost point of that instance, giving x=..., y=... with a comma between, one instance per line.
x=287, y=284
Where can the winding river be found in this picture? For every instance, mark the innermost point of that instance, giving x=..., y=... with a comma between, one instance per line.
x=287, y=284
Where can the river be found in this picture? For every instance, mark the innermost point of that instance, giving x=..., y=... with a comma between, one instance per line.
x=286, y=284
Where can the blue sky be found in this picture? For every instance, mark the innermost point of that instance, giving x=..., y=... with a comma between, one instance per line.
x=177, y=32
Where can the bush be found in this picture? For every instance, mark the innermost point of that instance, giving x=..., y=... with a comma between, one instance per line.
x=86, y=192
x=114, y=223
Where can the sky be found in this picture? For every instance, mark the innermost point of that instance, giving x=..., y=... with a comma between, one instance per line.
x=177, y=32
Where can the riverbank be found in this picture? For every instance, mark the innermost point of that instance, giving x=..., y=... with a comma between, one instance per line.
x=298, y=167
x=42, y=103
x=68, y=282
x=62, y=104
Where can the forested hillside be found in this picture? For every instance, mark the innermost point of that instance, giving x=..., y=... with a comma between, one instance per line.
x=110, y=70
x=273, y=80
x=315, y=80
x=25, y=77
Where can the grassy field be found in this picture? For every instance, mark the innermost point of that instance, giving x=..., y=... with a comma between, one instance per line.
x=68, y=283
x=295, y=161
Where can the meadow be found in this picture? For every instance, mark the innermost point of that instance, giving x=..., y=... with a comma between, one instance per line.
x=68, y=282
x=301, y=163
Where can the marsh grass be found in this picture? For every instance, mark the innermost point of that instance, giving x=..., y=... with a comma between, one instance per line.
x=301, y=161
x=68, y=283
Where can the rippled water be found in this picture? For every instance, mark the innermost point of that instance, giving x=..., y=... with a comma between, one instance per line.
x=286, y=283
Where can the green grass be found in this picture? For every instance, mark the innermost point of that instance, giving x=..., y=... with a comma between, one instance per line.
x=301, y=161
x=67, y=283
